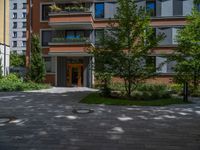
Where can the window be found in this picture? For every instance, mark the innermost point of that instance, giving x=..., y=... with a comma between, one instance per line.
x=46, y=37
x=198, y=6
x=24, y=5
x=99, y=35
x=14, y=15
x=14, y=43
x=99, y=10
x=14, y=34
x=151, y=8
x=45, y=12
x=24, y=15
x=14, y=25
x=23, y=43
x=151, y=62
x=48, y=65
x=164, y=66
x=15, y=6
x=110, y=9
x=24, y=34
x=24, y=25
x=77, y=34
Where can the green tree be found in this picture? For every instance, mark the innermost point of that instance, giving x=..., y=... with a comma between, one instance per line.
x=1, y=68
x=37, y=67
x=17, y=60
x=187, y=55
x=127, y=45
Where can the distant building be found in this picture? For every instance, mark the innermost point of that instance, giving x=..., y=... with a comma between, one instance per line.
x=18, y=26
x=4, y=30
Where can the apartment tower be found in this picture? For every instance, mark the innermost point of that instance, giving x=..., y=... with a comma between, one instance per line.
x=18, y=26
x=67, y=31
x=4, y=36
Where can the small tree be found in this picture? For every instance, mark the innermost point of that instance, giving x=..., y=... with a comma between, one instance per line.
x=17, y=60
x=37, y=67
x=187, y=55
x=127, y=45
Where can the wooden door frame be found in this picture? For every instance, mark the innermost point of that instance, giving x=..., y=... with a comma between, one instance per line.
x=70, y=66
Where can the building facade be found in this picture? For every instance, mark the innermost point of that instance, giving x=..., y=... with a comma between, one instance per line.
x=18, y=26
x=66, y=31
x=4, y=36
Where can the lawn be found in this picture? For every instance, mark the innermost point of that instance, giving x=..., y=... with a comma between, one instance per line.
x=95, y=98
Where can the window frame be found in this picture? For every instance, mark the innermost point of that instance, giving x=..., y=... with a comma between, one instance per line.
x=103, y=10
x=154, y=2
x=41, y=10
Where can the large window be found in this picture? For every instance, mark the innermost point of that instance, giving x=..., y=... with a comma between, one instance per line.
x=24, y=15
x=99, y=35
x=77, y=34
x=45, y=12
x=47, y=61
x=14, y=43
x=198, y=6
x=24, y=34
x=164, y=66
x=24, y=6
x=23, y=43
x=50, y=64
x=15, y=6
x=14, y=15
x=14, y=25
x=15, y=34
x=23, y=24
x=46, y=37
x=99, y=10
x=151, y=8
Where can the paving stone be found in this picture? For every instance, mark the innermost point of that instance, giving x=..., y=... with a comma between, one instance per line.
x=45, y=121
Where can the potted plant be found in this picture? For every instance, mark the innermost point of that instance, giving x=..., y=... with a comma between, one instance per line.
x=55, y=8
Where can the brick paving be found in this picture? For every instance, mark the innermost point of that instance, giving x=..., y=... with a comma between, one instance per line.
x=45, y=121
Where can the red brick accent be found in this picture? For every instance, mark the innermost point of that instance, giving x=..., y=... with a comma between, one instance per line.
x=50, y=79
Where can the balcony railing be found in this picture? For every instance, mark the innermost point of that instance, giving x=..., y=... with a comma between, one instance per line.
x=57, y=10
x=70, y=41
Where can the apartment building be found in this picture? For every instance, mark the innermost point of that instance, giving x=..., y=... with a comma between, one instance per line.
x=18, y=26
x=66, y=32
x=4, y=36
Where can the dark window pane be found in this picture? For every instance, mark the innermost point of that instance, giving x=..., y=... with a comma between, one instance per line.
x=99, y=35
x=45, y=12
x=99, y=10
x=46, y=37
x=151, y=8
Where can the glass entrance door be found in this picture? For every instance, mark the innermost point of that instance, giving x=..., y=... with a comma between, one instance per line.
x=74, y=75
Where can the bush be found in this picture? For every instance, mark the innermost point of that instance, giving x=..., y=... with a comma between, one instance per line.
x=176, y=88
x=13, y=83
x=145, y=91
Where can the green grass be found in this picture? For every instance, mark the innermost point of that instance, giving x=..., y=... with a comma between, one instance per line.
x=95, y=98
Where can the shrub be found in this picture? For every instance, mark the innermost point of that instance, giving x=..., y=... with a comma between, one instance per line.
x=13, y=83
x=176, y=88
x=145, y=91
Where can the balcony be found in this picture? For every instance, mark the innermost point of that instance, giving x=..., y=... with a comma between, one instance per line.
x=71, y=18
x=69, y=45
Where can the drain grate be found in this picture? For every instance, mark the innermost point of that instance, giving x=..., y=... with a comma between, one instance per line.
x=6, y=119
x=82, y=111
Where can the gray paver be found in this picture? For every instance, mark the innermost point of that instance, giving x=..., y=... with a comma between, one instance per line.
x=45, y=122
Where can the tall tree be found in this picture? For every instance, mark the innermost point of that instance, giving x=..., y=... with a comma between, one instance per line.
x=187, y=55
x=37, y=67
x=127, y=45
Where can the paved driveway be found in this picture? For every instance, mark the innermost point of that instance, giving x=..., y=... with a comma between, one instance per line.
x=45, y=121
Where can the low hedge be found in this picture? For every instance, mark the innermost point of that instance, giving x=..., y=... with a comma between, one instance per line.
x=12, y=83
